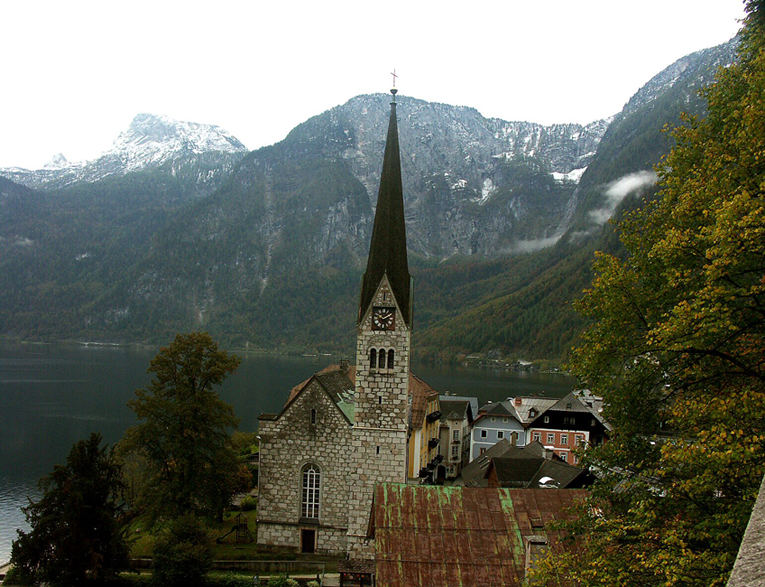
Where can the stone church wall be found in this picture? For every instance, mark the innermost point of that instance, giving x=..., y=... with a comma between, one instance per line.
x=287, y=444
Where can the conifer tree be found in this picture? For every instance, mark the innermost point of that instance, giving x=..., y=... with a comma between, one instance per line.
x=75, y=536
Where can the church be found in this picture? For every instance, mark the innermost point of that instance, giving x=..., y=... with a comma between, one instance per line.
x=346, y=429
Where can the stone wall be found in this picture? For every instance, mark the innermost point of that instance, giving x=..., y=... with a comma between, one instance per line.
x=287, y=444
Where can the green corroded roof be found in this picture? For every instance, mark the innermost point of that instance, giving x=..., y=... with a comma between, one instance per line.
x=436, y=535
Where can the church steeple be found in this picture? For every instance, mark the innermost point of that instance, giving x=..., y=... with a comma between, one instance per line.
x=387, y=251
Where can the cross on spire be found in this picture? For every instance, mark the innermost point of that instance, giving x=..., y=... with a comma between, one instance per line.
x=395, y=75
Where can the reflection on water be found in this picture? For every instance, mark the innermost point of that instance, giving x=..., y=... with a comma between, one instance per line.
x=12, y=499
x=51, y=396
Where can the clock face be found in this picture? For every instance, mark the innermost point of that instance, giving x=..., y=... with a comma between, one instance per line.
x=383, y=318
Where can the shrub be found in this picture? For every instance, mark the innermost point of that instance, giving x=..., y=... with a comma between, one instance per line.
x=249, y=503
x=282, y=581
x=182, y=554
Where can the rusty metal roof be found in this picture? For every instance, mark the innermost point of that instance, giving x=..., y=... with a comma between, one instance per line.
x=433, y=535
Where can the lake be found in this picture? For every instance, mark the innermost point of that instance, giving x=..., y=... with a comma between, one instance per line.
x=51, y=396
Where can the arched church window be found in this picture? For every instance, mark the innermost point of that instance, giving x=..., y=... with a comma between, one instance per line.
x=381, y=359
x=391, y=356
x=372, y=358
x=311, y=485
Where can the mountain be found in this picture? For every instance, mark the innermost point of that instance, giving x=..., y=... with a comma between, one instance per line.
x=150, y=142
x=502, y=218
x=524, y=303
x=473, y=185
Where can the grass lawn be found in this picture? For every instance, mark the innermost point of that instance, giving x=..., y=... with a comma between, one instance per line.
x=142, y=541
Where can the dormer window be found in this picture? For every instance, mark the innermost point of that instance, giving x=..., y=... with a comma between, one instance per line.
x=532, y=413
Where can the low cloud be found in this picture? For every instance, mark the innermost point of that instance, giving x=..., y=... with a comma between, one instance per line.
x=617, y=190
x=529, y=246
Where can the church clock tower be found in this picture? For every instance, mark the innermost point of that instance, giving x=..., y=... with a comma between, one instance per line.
x=383, y=345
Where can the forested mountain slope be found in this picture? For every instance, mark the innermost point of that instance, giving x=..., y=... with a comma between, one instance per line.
x=268, y=247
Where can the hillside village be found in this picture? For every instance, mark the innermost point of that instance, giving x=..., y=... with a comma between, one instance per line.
x=646, y=474
x=365, y=443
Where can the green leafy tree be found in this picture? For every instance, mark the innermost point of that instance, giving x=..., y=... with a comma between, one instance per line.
x=182, y=554
x=677, y=349
x=75, y=535
x=185, y=430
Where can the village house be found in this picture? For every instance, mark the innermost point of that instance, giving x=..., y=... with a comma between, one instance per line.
x=566, y=425
x=457, y=413
x=423, y=441
x=495, y=422
x=560, y=424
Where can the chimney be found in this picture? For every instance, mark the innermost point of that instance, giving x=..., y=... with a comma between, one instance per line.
x=517, y=401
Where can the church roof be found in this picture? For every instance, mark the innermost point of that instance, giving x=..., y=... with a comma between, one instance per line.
x=340, y=382
x=387, y=250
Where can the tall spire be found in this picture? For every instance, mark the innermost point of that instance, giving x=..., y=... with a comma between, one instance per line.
x=387, y=251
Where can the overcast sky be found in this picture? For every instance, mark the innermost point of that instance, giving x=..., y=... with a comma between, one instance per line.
x=74, y=73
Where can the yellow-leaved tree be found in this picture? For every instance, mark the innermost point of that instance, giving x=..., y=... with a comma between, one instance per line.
x=677, y=349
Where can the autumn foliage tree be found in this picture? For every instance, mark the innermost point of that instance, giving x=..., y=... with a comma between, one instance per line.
x=183, y=439
x=677, y=350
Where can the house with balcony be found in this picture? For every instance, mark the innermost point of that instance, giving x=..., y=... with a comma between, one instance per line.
x=457, y=415
x=565, y=424
x=424, y=431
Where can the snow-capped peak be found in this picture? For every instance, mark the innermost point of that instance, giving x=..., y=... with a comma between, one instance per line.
x=151, y=139
x=58, y=161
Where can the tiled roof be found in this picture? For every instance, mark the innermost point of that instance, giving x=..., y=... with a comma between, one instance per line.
x=570, y=403
x=540, y=404
x=338, y=382
x=472, y=402
x=453, y=409
x=330, y=371
x=515, y=471
x=431, y=535
x=473, y=474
